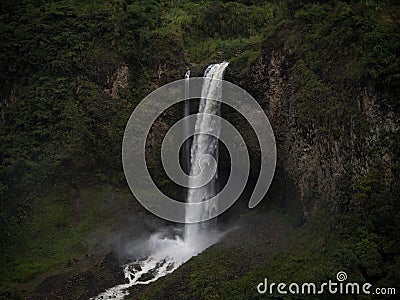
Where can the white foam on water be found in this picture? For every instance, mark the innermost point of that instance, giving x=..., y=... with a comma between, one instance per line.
x=163, y=254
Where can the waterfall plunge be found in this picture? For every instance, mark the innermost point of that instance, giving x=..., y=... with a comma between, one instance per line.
x=161, y=254
x=200, y=235
x=186, y=112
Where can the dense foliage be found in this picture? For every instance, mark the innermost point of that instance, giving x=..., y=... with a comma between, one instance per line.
x=62, y=120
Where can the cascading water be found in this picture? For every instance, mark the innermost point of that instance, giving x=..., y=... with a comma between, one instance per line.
x=204, y=144
x=166, y=254
x=186, y=112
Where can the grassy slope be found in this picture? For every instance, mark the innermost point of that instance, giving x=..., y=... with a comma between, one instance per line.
x=54, y=235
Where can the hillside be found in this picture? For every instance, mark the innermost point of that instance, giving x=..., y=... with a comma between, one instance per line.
x=326, y=73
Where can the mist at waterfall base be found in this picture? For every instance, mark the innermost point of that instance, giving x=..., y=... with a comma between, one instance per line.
x=165, y=250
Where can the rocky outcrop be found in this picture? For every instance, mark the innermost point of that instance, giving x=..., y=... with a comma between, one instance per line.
x=118, y=80
x=324, y=141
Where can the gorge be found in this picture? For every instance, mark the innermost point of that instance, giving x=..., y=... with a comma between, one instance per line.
x=325, y=73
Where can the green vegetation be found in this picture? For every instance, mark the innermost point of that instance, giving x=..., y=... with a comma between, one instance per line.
x=57, y=230
x=315, y=252
x=60, y=128
x=63, y=113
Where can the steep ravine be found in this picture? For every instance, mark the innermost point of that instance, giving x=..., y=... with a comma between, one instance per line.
x=323, y=147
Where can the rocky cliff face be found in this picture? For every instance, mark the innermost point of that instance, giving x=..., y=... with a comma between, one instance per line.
x=327, y=136
x=328, y=133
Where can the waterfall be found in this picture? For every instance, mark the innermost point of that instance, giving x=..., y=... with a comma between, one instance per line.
x=164, y=251
x=204, y=144
x=186, y=112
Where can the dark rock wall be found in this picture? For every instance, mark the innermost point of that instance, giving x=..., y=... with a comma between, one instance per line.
x=320, y=153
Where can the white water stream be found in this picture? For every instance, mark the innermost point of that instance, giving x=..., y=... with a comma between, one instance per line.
x=167, y=253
